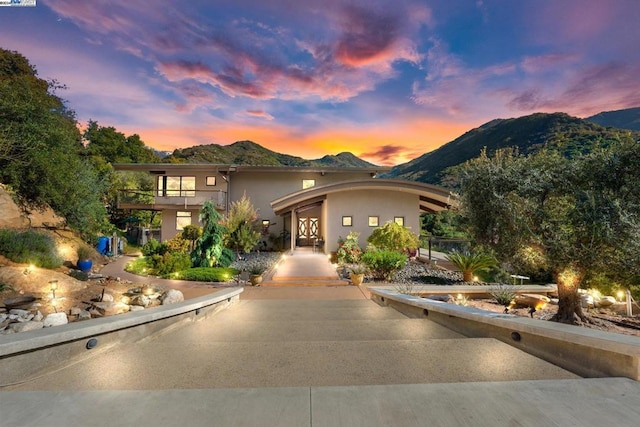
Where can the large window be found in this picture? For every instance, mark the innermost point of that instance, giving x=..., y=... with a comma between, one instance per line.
x=176, y=186
x=182, y=220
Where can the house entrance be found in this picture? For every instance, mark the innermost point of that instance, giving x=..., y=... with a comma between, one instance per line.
x=308, y=230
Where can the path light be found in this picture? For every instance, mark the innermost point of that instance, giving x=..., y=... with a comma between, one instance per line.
x=30, y=269
x=620, y=295
x=475, y=278
x=53, y=284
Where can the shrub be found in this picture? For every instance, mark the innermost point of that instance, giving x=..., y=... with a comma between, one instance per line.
x=394, y=237
x=349, y=251
x=84, y=252
x=177, y=244
x=29, y=247
x=153, y=247
x=471, y=263
x=383, y=263
x=172, y=262
x=138, y=266
x=205, y=274
x=503, y=294
x=226, y=257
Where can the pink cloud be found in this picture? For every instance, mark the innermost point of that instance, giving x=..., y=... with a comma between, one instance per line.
x=260, y=114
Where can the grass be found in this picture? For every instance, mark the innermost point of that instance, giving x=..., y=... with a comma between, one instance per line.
x=204, y=274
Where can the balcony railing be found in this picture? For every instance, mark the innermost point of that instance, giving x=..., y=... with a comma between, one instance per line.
x=147, y=199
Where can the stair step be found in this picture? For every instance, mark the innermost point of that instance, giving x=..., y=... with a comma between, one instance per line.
x=231, y=330
x=306, y=364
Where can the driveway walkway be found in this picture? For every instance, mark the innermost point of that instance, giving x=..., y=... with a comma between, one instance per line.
x=317, y=356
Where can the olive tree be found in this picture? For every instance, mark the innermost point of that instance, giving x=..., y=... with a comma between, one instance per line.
x=580, y=215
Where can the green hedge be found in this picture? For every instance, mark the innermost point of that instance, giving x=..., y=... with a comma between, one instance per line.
x=204, y=274
x=383, y=263
x=29, y=247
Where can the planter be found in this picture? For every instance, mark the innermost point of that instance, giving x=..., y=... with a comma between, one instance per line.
x=85, y=265
x=356, y=279
x=255, y=279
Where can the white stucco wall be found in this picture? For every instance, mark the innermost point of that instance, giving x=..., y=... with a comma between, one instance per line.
x=360, y=204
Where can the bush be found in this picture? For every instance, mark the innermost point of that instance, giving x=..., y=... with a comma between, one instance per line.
x=394, y=237
x=29, y=247
x=349, y=251
x=172, y=262
x=226, y=257
x=383, y=263
x=470, y=263
x=153, y=247
x=503, y=294
x=177, y=244
x=138, y=266
x=205, y=274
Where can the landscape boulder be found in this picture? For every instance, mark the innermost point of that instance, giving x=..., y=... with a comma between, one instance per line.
x=172, y=296
x=55, y=319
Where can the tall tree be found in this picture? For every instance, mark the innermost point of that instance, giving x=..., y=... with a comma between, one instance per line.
x=209, y=246
x=40, y=147
x=580, y=217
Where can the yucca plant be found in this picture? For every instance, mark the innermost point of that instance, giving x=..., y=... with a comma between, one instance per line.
x=471, y=263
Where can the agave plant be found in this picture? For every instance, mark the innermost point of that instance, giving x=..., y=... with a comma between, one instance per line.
x=471, y=263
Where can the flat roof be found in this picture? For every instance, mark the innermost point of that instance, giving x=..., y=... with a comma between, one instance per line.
x=160, y=168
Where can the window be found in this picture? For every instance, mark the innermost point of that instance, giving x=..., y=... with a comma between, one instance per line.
x=347, y=221
x=399, y=220
x=211, y=181
x=182, y=220
x=373, y=221
x=176, y=186
x=308, y=183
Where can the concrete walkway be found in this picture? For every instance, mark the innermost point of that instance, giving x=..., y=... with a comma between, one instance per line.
x=304, y=267
x=317, y=356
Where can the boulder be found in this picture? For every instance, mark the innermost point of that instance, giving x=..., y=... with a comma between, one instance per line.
x=172, y=296
x=26, y=326
x=606, y=301
x=141, y=300
x=84, y=315
x=109, y=308
x=38, y=317
x=531, y=300
x=136, y=308
x=55, y=319
x=18, y=312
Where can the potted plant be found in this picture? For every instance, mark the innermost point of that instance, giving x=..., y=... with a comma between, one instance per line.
x=84, y=258
x=256, y=275
x=357, y=274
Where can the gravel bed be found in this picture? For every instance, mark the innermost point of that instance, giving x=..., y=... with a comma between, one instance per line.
x=264, y=260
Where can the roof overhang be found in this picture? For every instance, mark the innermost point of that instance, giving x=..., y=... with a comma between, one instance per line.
x=163, y=168
x=432, y=198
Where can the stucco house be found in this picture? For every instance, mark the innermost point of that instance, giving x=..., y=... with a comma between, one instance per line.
x=304, y=206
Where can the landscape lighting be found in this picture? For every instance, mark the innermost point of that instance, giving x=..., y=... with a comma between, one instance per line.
x=53, y=284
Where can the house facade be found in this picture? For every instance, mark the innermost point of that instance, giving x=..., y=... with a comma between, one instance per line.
x=297, y=206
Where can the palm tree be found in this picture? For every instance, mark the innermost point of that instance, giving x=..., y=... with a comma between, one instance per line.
x=471, y=263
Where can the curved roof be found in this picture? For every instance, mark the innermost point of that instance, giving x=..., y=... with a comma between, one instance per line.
x=432, y=197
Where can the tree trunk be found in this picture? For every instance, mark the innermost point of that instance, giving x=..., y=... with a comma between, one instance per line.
x=569, y=302
x=467, y=276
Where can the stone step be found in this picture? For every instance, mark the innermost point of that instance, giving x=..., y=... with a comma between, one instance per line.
x=291, y=310
x=231, y=330
x=204, y=364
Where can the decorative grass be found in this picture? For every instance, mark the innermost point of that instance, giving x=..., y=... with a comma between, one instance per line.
x=204, y=274
x=29, y=247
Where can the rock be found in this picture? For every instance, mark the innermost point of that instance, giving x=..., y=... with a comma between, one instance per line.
x=531, y=300
x=26, y=319
x=84, y=315
x=107, y=297
x=443, y=298
x=172, y=296
x=109, y=308
x=55, y=319
x=18, y=312
x=141, y=300
x=75, y=311
x=587, y=301
x=26, y=326
x=136, y=308
x=38, y=317
x=607, y=301
x=94, y=312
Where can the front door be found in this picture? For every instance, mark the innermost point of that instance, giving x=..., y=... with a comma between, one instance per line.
x=308, y=230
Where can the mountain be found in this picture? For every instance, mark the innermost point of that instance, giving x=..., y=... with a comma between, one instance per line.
x=250, y=153
x=622, y=119
x=558, y=131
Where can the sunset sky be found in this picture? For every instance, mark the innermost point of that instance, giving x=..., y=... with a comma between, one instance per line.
x=387, y=80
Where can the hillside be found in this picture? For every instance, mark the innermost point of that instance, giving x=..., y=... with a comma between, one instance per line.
x=622, y=119
x=570, y=135
x=250, y=153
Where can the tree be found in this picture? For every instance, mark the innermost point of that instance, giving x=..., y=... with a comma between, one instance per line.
x=209, y=246
x=394, y=237
x=40, y=148
x=582, y=216
x=241, y=225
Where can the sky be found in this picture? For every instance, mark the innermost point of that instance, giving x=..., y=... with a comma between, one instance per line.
x=387, y=80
